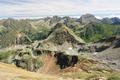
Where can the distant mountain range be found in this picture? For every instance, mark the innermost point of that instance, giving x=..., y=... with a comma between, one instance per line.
x=87, y=27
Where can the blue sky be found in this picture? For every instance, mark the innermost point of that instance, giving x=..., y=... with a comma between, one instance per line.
x=38, y=8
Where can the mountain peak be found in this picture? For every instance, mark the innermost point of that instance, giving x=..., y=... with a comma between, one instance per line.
x=88, y=18
x=61, y=33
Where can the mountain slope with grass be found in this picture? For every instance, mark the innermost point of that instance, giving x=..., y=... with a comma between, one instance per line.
x=97, y=59
x=93, y=32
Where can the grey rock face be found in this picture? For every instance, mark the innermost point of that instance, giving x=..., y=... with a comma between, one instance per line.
x=88, y=18
x=115, y=20
x=107, y=20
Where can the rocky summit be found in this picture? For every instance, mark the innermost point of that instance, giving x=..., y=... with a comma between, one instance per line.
x=88, y=18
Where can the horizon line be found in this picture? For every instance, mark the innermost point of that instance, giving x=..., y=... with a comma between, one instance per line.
x=44, y=16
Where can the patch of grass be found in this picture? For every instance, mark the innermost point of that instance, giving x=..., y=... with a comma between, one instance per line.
x=114, y=76
x=26, y=78
x=93, y=75
x=5, y=55
x=84, y=75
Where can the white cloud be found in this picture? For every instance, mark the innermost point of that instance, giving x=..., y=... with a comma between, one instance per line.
x=58, y=7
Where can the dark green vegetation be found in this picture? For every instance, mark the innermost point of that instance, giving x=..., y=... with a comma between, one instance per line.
x=93, y=32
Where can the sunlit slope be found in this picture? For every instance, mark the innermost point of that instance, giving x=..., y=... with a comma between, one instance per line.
x=11, y=72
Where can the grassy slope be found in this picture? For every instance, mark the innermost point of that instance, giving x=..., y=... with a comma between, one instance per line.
x=11, y=72
x=96, y=31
